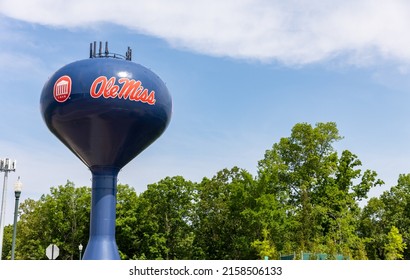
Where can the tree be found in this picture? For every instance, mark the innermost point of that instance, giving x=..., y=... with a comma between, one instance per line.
x=265, y=248
x=391, y=209
x=317, y=189
x=167, y=214
x=372, y=228
x=128, y=222
x=268, y=219
x=395, y=246
x=222, y=231
x=61, y=218
x=7, y=239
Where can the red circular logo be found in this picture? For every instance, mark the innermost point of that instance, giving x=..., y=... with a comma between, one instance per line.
x=62, y=89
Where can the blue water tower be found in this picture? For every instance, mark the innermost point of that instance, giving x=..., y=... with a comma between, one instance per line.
x=106, y=109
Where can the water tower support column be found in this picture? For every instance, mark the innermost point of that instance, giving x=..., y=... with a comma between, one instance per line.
x=102, y=245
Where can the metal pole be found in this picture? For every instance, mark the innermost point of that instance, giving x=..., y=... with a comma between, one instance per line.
x=5, y=166
x=16, y=207
x=3, y=212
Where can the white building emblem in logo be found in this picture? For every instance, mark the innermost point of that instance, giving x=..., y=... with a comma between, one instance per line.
x=62, y=89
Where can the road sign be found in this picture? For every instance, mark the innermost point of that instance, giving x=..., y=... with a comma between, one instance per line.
x=52, y=252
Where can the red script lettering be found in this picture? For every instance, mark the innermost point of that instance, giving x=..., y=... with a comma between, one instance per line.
x=129, y=89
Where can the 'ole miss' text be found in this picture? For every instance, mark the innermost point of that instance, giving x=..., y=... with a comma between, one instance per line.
x=130, y=89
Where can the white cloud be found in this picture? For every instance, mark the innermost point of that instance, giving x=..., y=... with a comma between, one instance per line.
x=293, y=32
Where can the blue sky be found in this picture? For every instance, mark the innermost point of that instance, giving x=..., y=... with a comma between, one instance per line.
x=241, y=74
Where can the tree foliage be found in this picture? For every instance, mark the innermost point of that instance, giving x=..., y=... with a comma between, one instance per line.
x=167, y=213
x=383, y=214
x=222, y=230
x=304, y=197
x=61, y=218
x=395, y=246
x=318, y=190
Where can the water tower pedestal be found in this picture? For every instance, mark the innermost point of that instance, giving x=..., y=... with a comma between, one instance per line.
x=101, y=244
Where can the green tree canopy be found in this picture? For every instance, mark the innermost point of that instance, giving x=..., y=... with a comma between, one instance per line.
x=304, y=197
x=319, y=190
x=166, y=215
x=61, y=218
x=395, y=246
x=382, y=214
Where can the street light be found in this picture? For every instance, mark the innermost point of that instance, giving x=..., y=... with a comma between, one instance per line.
x=6, y=166
x=80, y=247
x=17, y=191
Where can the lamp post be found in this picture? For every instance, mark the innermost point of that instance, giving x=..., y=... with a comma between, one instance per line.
x=80, y=247
x=6, y=166
x=17, y=191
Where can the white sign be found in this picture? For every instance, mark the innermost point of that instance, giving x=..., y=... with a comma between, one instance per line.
x=52, y=252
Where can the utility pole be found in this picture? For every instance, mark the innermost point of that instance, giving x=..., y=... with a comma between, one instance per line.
x=6, y=166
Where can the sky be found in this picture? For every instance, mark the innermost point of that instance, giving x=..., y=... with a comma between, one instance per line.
x=241, y=74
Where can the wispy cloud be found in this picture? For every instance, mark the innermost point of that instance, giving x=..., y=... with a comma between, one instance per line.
x=292, y=32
